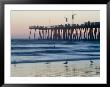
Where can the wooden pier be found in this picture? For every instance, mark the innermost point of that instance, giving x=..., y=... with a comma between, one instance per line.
x=87, y=31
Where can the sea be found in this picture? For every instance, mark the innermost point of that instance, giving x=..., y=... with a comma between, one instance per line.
x=33, y=51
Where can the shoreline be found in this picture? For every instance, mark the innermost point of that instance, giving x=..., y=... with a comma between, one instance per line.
x=58, y=60
x=82, y=68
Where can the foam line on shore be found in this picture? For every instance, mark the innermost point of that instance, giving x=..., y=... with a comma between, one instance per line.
x=36, y=61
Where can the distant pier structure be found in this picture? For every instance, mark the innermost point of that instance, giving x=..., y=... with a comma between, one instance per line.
x=87, y=31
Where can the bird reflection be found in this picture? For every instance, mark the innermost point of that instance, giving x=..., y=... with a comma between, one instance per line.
x=66, y=67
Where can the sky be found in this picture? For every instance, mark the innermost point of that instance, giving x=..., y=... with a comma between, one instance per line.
x=21, y=20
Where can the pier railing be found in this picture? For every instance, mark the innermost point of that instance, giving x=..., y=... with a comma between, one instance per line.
x=86, y=31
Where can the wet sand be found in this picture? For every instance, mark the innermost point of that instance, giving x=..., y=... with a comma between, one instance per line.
x=82, y=68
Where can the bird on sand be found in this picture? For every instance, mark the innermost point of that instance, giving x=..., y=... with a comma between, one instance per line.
x=47, y=63
x=66, y=62
x=91, y=62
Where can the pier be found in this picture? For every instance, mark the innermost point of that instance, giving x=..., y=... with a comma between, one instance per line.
x=86, y=31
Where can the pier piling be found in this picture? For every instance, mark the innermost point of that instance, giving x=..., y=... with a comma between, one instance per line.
x=87, y=31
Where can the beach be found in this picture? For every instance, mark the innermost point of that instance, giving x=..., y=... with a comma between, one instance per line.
x=60, y=47
x=31, y=58
x=81, y=68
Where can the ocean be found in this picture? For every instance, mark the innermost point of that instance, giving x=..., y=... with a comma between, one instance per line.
x=33, y=51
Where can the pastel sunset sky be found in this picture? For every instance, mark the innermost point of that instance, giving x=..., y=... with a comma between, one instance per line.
x=21, y=20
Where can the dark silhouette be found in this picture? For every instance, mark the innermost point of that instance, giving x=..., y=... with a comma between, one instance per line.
x=87, y=31
x=66, y=62
x=91, y=62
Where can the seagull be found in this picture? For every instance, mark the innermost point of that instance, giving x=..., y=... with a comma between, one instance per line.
x=91, y=62
x=66, y=62
x=47, y=63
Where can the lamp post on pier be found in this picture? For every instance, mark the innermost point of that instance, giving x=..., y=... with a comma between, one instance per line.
x=73, y=18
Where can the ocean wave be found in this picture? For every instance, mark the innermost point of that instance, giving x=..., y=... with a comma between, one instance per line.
x=34, y=51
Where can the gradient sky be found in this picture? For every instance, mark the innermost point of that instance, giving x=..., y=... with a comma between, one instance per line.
x=21, y=20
